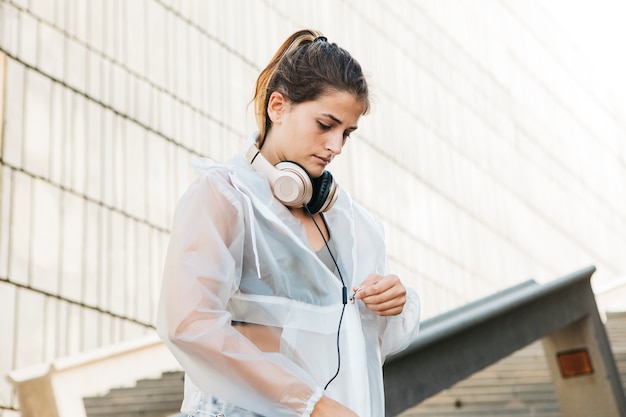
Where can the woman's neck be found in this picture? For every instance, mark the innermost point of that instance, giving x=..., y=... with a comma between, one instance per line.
x=316, y=239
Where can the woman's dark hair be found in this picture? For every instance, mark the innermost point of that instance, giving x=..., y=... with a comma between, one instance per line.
x=305, y=67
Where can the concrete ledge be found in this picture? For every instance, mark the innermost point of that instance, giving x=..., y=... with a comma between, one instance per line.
x=57, y=389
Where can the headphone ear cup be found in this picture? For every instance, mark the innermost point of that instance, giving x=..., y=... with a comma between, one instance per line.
x=293, y=186
x=324, y=193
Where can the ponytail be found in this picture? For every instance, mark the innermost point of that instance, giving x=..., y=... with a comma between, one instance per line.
x=305, y=66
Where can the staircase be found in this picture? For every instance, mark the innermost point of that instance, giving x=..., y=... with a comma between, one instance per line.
x=519, y=385
x=148, y=398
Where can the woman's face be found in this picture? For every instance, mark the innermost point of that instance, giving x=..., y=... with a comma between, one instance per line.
x=311, y=133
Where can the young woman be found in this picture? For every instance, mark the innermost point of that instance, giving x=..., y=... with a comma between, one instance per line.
x=276, y=297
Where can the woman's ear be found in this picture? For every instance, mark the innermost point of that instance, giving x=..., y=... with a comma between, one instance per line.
x=276, y=107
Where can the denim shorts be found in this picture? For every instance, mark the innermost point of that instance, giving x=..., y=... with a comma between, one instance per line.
x=218, y=408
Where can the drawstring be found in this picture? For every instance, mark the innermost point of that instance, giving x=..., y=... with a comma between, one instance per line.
x=252, y=228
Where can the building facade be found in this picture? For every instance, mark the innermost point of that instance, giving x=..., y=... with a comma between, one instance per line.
x=492, y=154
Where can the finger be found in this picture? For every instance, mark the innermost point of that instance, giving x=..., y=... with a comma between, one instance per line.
x=387, y=297
x=380, y=286
x=385, y=300
x=371, y=279
x=390, y=308
x=387, y=307
x=368, y=283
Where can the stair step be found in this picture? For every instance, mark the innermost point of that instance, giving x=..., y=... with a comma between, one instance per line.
x=550, y=409
x=159, y=397
x=122, y=396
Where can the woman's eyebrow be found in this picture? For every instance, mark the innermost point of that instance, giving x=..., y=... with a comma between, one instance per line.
x=330, y=116
x=333, y=118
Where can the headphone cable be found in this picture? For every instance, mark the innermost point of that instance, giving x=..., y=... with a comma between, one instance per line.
x=344, y=292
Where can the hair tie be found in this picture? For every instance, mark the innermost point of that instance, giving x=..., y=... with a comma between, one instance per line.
x=320, y=39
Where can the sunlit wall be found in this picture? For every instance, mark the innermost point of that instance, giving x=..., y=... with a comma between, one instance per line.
x=493, y=154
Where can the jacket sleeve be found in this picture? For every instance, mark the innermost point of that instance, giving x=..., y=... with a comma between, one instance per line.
x=397, y=332
x=202, y=270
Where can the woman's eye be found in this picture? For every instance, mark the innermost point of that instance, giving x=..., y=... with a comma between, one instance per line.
x=323, y=126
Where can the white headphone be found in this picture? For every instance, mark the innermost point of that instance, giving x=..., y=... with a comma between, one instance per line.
x=293, y=186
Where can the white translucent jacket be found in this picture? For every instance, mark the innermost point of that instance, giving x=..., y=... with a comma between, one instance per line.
x=237, y=254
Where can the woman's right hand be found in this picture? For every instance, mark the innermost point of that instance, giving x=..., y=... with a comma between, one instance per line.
x=327, y=407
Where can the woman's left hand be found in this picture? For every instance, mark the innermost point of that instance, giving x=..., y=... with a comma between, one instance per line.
x=384, y=295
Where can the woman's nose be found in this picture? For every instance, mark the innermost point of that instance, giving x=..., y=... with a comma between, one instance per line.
x=335, y=143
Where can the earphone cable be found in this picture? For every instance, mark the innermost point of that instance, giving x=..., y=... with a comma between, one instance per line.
x=343, y=309
x=344, y=295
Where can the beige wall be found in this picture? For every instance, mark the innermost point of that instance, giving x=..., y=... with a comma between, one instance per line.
x=491, y=154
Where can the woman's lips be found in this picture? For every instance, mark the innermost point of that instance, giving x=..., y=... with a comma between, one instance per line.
x=323, y=160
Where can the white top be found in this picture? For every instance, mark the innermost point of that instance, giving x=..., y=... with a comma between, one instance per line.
x=237, y=254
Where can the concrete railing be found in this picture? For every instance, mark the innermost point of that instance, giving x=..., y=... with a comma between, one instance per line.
x=562, y=313
x=57, y=389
